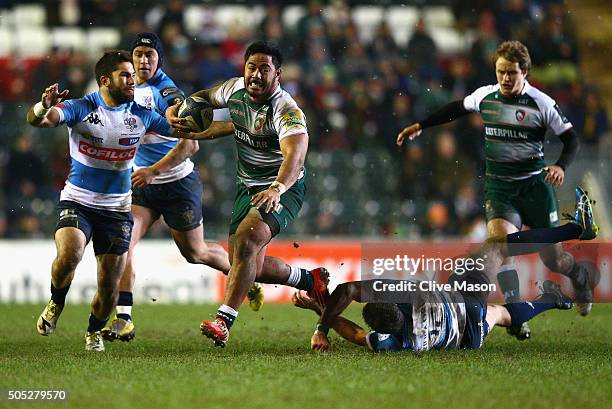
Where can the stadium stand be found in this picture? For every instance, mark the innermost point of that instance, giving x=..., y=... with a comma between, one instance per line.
x=361, y=72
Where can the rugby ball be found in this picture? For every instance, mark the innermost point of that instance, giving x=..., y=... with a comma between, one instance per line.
x=198, y=112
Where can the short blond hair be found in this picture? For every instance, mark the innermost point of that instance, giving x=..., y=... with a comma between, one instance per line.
x=514, y=51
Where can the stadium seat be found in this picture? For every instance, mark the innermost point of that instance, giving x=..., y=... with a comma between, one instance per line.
x=448, y=40
x=401, y=21
x=29, y=15
x=68, y=38
x=194, y=18
x=6, y=41
x=367, y=19
x=32, y=41
x=6, y=18
x=100, y=39
x=237, y=15
x=438, y=16
x=292, y=14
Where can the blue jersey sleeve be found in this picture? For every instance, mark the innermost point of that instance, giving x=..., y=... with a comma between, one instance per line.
x=74, y=110
x=169, y=95
x=154, y=122
x=383, y=342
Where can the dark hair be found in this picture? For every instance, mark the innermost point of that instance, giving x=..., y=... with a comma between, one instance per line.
x=514, y=51
x=385, y=318
x=109, y=62
x=267, y=48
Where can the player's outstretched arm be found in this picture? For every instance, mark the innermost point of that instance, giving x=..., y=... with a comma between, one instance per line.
x=447, y=113
x=183, y=150
x=346, y=328
x=41, y=115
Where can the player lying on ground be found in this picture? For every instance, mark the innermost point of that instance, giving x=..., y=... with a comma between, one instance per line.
x=453, y=319
x=519, y=185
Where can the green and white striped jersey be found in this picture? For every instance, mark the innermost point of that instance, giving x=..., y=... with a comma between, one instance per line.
x=515, y=128
x=259, y=128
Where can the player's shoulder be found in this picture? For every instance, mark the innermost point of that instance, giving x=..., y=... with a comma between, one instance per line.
x=486, y=90
x=282, y=102
x=540, y=97
x=233, y=85
x=164, y=84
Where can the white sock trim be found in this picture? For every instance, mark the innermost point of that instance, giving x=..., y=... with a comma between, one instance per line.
x=228, y=310
x=124, y=309
x=506, y=267
x=294, y=276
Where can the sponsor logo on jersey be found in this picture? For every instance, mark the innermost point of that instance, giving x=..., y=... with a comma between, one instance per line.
x=167, y=91
x=520, y=115
x=293, y=119
x=130, y=123
x=110, y=154
x=259, y=123
x=238, y=112
x=147, y=101
x=505, y=133
x=128, y=141
x=92, y=138
x=93, y=119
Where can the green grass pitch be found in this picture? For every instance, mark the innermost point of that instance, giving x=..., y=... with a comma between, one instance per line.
x=268, y=364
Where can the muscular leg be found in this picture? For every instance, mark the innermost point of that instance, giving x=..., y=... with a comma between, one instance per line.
x=110, y=268
x=273, y=271
x=507, y=276
x=497, y=315
x=70, y=245
x=252, y=236
x=196, y=251
x=558, y=260
x=143, y=219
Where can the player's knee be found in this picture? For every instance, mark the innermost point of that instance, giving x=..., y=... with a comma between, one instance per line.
x=553, y=260
x=68, y=260
x=246, y=248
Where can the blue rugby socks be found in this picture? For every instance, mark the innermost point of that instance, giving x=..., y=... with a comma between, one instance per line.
x=521, y=312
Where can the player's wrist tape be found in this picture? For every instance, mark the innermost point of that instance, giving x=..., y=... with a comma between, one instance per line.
x=322, y=328
x=279, y=187
x=39, y=110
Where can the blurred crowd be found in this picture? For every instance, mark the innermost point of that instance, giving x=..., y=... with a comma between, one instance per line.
x=356, y=94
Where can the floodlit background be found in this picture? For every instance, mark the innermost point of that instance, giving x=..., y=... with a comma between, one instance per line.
x=360, y=71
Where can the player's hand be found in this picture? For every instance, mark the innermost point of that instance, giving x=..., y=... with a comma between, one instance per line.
x=554, y=175
x=143, y=177
x=52, y=96
x=319, y=342
x=270, y=198
x=174, y=120
x=410, y=132
x=301, y=300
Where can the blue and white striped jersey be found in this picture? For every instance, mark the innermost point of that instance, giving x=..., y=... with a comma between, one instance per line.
x=158, y=94
x=436, y=322
x=103, y=143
